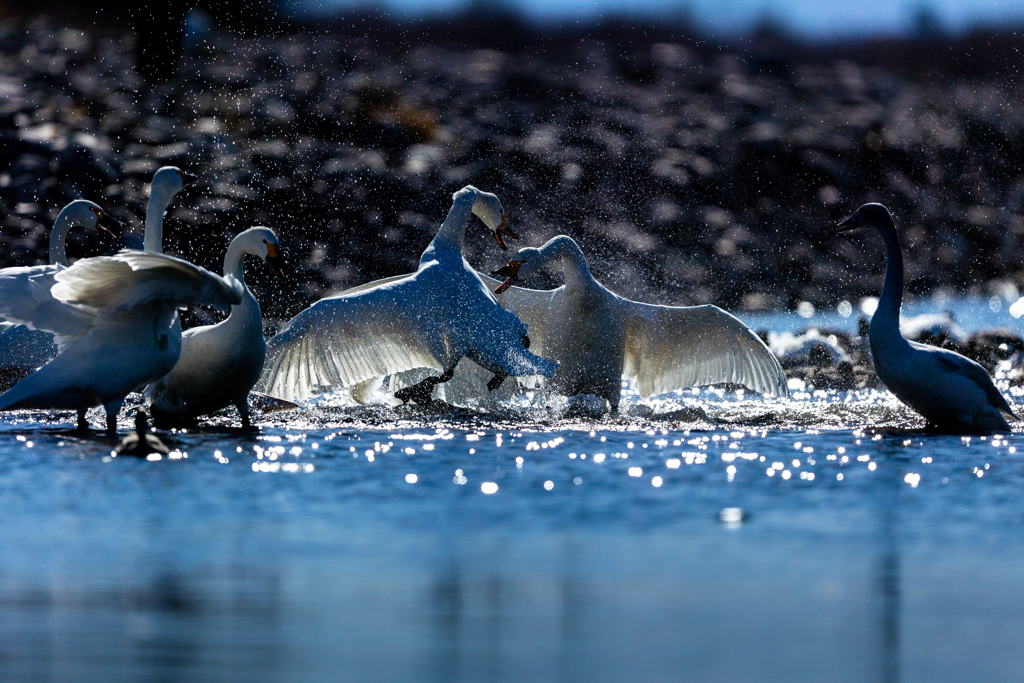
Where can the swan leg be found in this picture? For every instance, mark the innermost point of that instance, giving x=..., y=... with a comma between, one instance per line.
x=83, y=424
x=243, y=411
x=420, y=392
x=112, y=409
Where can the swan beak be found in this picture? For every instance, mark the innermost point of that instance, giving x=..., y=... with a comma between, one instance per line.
x=849, y=224
x=107, y=223
x=510, y=273
x=503, y=230
x=187, y=177
x=275, y=260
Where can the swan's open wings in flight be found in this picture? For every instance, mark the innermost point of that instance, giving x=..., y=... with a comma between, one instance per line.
x=347, y=339
x=669, y=348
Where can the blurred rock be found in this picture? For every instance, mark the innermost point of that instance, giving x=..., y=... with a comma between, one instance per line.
x=689, y=175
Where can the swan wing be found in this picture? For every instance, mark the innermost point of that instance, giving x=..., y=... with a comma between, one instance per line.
x=961, y=365
x=347, y=339
x=23, y=290
x=119, y=283
x=26, y=299
x=669, y=348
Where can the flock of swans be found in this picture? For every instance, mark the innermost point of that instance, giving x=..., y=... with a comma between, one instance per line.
x=91, y=333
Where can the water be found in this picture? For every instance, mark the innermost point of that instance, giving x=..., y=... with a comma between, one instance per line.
x=804, y=17
x=348, y=543
x=970, y=313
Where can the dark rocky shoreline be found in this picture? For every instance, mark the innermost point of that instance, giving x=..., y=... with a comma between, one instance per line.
x=687, y=176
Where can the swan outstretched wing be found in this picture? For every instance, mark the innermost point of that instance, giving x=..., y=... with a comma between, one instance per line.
x=669, y=348
x=119, y=283
x=347, y=339
x=26, y=299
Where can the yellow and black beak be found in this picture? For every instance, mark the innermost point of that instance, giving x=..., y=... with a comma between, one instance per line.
x=510, y=273
x=850, y=223
x=187, y=177
x=503, y=230
x=106, y=223
x=276, y=260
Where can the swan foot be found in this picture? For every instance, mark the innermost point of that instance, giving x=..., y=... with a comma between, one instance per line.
x=83, y=424
x=420, y=392
x=496, y=381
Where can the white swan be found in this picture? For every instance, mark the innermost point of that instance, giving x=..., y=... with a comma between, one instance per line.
x=220, y=363
x=429, y=319
x=599, y=337
x=949, y=390
x=23, y=348
x=167, y=182
x=116, y=330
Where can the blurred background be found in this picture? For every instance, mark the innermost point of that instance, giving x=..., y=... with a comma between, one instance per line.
x=699, y=151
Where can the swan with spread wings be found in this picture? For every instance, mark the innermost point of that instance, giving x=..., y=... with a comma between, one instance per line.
x=115, y=321
x=429, y=319
x=598, y=337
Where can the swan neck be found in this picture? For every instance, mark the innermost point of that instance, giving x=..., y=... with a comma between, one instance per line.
x=234, y=261
x=575, y=268
x=453, y=230
x=58, y=240
x=159, y=200
x=886, y=319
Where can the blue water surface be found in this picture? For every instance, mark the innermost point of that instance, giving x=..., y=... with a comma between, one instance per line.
x=720, y=538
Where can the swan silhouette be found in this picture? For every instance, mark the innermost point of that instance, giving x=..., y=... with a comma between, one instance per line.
x=949, y=390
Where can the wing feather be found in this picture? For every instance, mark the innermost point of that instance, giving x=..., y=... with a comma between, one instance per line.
x=119, y=283
x=25, y=298
x=669, y=348
x=348, y=339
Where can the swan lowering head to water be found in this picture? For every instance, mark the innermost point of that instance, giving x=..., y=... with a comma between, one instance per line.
x=949, y=390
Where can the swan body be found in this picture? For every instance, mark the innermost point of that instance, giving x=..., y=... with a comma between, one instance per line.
x=932, y=325
x=949, y=390
x=598, y=337
x=117, y=329
x=26, y=347
x=220, y=363
x=429, y=319
x=811, y=347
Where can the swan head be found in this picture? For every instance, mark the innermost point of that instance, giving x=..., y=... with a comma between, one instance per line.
x=868, y=216
x=261, y=241
x=525, y=263
x=168, y=181
x=487, y=207
x=84, y=213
